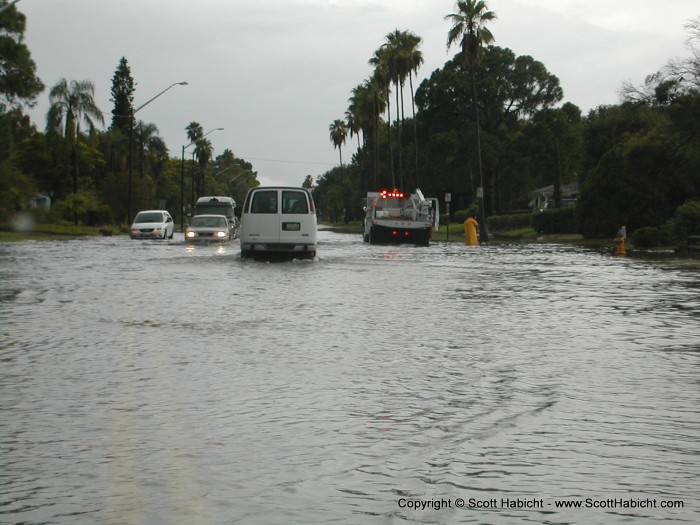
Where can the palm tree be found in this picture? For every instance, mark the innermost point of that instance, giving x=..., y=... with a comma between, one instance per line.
x=414, y=60
x=469, y=28
x=194, y=133
x=144, y=134
x=69, y=105
x=404, y=59
x=338, y=133
x=395, y=68
x=204, y=151
x=353, y=127
x=366, y=106
x=381, y=82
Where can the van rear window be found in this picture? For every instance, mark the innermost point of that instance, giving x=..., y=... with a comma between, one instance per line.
x=264, y=202
x=294, y=202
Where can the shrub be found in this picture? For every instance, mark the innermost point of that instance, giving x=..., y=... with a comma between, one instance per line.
x=653, y=236
x=510, y=222
x=462, y=215
x=101, y=215
x=688, y=219
x=558, y=221
x=647, y=237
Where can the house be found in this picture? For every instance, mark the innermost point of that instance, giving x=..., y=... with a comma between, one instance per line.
x=543, y=198
x=40, y=201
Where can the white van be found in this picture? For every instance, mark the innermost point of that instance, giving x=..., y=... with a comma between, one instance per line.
x=278, y=220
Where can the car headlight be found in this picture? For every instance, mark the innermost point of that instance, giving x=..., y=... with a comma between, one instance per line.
x=190, y=234
x=221, y=234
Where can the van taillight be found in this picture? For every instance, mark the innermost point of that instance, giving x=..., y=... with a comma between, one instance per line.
x=311, y=203
x=246, y=204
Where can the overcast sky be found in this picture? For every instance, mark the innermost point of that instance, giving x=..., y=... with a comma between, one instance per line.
x=275, y=74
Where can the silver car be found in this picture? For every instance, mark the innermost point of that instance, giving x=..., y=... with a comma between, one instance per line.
x=153, y=224
x=209, y=228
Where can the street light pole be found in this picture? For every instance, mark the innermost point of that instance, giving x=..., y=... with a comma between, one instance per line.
x=131, y=136
x=7, y=6
x=182, y=177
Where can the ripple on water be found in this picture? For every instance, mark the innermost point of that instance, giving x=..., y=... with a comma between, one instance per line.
x=157, y=382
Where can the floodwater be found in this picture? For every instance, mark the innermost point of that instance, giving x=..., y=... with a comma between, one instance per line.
x=147, y=382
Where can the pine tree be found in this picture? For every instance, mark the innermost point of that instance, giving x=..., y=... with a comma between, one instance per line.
x=123, y=87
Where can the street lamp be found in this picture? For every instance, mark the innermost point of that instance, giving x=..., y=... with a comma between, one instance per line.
x=131, y=135
x=7, y=6
x=182, y=177
x=231, y=184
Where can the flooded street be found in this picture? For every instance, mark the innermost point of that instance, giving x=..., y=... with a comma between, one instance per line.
x=148, y=382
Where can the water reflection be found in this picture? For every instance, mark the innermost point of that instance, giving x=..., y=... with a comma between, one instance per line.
x=151, y=382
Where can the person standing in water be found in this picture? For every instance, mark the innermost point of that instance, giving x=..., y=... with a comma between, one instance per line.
x=471, y=227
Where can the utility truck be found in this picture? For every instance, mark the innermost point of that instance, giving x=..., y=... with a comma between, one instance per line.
x=392, y=217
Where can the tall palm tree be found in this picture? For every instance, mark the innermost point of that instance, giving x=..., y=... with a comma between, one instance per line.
x=353, y=127
x=338, y=133
x=394, y=68
x=381, y=82
x=414, y=60
x=194, y=133
x=404, y=59
x=69, y=105
x=469, y=28
x=144, y=134
x=366, y=106
x=204, y=152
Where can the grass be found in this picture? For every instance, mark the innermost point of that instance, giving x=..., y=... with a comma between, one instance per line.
x=45, y=232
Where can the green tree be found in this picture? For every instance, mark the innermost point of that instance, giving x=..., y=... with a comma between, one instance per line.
x=123, y=87
x=69, y=105
x=469, y=28
x=556, y=138
x=510, y=91
x=19, y=87
x=19, y=84
x=338, y=134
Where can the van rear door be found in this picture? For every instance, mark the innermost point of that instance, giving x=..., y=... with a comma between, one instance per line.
x=296, y=221
x=264, y=208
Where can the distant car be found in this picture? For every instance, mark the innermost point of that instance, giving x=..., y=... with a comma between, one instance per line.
x=209, y=228
x=225, y=206
x=153, y=224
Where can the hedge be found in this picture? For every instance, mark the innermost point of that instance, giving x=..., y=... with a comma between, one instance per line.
x=558, y=221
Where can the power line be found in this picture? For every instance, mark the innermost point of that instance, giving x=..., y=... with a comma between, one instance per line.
x=288, y=161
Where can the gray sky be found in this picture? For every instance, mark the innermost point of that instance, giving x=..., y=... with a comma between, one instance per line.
x=275, y=74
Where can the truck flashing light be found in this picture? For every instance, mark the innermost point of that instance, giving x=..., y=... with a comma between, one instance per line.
x=396, y=194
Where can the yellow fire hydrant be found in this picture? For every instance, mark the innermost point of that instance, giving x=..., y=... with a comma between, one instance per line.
x=620, y=250
x=471, y=227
